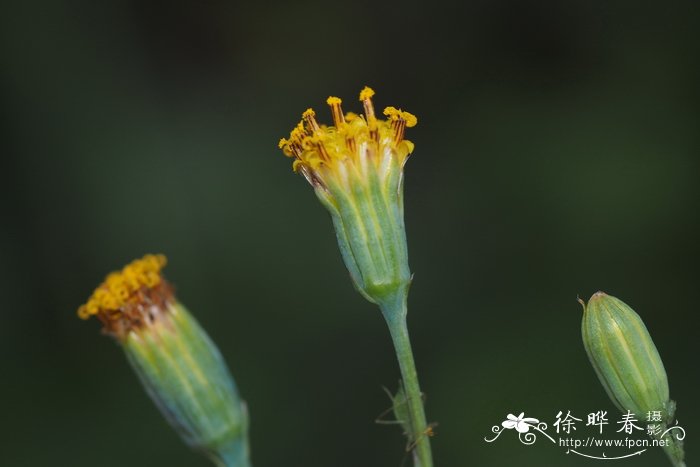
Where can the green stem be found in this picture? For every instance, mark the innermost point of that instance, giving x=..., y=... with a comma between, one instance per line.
x=394, y=312
x=674, y=450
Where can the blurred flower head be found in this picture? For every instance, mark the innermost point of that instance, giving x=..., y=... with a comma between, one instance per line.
x=179, y=365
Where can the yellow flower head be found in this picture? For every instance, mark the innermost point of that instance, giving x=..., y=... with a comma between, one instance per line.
x=130, y=298
x=356, y=169
x=352, y=146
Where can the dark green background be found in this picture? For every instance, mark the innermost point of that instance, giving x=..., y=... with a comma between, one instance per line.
x=556, y=155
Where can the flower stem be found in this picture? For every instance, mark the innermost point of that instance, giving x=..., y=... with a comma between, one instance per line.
x=674, y=450
x=394, y=312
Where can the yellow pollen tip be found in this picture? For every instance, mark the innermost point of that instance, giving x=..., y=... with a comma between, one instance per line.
x=283, y=142
x=411, y=120
x=396, y=114
x=366, y=93
x=308, y=113
x=120, y=287
x=392, y=113
x=332, y=100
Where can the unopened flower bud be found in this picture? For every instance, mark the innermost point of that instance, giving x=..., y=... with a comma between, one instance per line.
x=624, y=356
x=628, y=365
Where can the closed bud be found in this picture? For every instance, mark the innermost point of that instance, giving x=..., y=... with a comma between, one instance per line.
x=628, y=365
x=624, y=356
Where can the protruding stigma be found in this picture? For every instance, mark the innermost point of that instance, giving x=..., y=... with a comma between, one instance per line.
x=397, y=114
x=309, y=116
x=366, y=98
x=293, y=146
x=399, y=121
x=366, y=94
x=336, y=111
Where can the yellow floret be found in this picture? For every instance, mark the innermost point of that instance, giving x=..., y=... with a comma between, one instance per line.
x=120, y=286
x=397, y=114
x=366, y=93
x=352, y=145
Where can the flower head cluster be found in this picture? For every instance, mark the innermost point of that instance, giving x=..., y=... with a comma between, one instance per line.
x=130, y=297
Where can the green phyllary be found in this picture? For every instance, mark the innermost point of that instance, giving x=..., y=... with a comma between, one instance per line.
x=628, y=364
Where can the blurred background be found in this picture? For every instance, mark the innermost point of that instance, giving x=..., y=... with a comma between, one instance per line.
x=556, y=155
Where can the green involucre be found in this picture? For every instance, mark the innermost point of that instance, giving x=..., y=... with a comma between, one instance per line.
x=369, y=225
x=624, y=356
x=187, y=378
x=629, y=367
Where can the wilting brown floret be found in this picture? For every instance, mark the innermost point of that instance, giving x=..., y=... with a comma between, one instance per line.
x=132, y=298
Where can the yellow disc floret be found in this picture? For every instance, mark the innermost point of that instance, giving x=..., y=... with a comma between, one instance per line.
x=353, y=144
x=395, y=114
x=366, y=93
x=121, y=287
